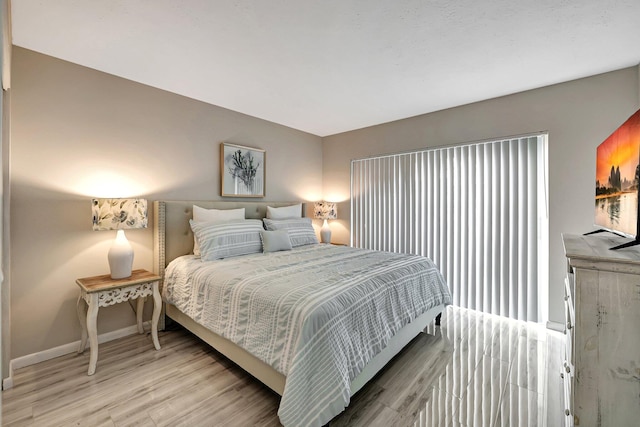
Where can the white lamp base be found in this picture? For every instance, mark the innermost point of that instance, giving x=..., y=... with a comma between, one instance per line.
x=120, y=257
x=325, y=233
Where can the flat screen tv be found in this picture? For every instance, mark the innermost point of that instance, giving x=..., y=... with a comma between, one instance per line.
x=617, y=179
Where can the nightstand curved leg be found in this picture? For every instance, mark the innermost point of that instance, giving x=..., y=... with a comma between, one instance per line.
x=82, y=316
x=157, y=304
x=139, y=310
x=92, y=316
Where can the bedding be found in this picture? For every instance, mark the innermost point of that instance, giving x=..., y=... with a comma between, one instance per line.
x=214, y=215
x=217, y=215
x=317, y=314
x=273, y=241
x=229, y=239
x=285, y=212
x=300, y=230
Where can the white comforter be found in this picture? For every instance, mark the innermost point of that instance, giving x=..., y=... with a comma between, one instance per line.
x=318, y=314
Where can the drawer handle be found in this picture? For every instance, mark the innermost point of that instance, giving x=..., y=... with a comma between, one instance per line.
x=569, y=326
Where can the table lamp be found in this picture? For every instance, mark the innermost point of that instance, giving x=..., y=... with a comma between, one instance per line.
x=325, y=211
x=119, y=214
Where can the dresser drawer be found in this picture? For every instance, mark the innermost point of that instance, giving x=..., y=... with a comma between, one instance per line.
x=567, y=379
x=568, y=298
x=602, y=312
x=569, y=326
x=568, y=347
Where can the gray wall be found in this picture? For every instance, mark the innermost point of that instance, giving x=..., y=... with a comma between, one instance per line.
x=578, y=116
x=78, y=133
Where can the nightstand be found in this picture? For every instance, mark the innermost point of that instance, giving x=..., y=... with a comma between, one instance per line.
x=103, y=291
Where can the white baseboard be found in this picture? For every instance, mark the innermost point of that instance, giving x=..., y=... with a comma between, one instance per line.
x=7, y=383
x=41, y=356
x=555, y=326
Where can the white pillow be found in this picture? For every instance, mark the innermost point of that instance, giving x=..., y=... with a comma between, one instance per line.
x=217, y=216
x=293, y=211
x=273, y=241
x=300, y=230
x=227, y=239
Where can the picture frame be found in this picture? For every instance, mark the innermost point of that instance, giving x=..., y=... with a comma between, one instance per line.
x=242, y=171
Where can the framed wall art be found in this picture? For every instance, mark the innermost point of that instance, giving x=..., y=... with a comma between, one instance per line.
x=242, y=171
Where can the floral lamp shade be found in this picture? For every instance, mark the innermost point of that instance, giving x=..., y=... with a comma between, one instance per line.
x=119, y=214
x=325, y=211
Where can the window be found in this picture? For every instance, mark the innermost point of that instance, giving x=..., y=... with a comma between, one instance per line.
x=479, y=211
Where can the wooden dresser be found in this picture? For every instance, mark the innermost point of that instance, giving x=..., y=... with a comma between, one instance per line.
x=601, y=370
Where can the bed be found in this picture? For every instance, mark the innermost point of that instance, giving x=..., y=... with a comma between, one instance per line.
x=315, y=379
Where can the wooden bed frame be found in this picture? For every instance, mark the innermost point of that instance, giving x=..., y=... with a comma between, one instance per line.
x=172, y=238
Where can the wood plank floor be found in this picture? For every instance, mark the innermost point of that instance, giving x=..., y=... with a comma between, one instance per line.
x=475, y=370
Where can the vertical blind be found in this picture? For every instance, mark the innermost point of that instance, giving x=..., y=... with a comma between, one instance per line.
x=477, y=210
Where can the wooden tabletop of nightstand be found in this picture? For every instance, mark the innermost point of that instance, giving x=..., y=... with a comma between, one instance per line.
x=101, y=283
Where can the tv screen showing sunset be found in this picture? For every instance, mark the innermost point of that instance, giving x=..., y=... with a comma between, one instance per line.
x=617, y=177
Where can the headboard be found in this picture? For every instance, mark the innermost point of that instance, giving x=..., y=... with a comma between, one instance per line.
x=172, y=235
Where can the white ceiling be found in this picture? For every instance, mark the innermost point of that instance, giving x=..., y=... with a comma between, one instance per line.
x=329, y=66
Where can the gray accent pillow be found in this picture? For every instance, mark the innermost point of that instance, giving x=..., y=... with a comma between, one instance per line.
x=300, y=230
x=273, y=241
x=227, y=240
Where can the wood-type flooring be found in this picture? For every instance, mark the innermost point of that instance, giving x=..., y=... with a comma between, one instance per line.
x=474, y=370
